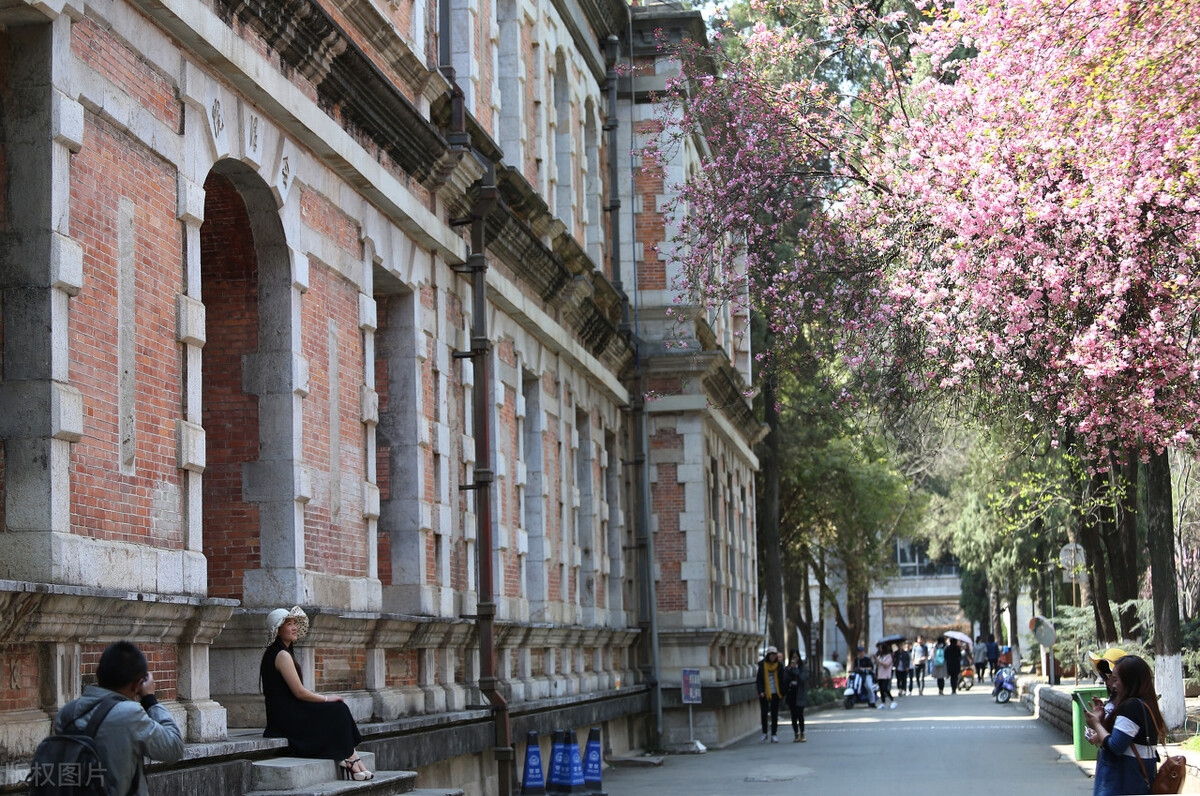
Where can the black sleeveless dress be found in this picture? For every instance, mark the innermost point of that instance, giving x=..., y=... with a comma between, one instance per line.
x=313, y=729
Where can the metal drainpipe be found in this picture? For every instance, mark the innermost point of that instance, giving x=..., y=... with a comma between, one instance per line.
x=645, y=545
x=476, y=266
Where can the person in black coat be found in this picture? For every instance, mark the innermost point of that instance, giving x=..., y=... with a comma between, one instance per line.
x=315, y=725
x=796, y=693
x=953, y=664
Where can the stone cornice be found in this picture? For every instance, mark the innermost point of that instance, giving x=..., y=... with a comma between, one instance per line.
x=563, y=276
x=42, y=612
x=590, y=22
x=723, y=386
x=349, y=85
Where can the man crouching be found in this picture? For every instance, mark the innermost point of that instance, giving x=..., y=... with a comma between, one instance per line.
x=134, y=728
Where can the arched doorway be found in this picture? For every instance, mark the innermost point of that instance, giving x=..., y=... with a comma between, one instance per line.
x=250, y=396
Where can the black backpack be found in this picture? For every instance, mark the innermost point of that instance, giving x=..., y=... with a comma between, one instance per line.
x=68, y=764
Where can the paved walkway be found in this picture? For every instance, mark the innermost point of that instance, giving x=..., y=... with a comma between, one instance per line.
x=937, y=740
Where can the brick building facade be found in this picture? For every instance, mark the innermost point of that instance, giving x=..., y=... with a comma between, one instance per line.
x=233, y=325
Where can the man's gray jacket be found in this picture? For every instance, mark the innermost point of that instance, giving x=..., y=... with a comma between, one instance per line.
x=129, y=732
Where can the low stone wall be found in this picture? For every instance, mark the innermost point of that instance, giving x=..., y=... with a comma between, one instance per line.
x=1047, y=704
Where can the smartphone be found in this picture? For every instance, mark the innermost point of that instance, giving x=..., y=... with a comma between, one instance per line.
x=1082, y=702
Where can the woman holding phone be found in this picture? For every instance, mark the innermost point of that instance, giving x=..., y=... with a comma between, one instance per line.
x=1126, y=736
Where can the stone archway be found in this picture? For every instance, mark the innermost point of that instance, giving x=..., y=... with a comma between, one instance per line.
x=253, y=383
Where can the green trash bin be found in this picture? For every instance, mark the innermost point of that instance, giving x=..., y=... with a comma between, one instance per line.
x=1083, y=749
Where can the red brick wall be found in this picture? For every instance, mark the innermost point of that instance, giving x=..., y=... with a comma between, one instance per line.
x=340, y=669
x=484, y=52
x=648, y=229
x=19, y=682
x=401, y=14
x=666, y=501
x=531, y=85
x=229, y=268
x=320, y=214
x=402, y=668
x=335, y=544
x=161, y=659
x=105, y=503
x=97, y=49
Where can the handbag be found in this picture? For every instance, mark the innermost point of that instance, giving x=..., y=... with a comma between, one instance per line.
x=1171, y=773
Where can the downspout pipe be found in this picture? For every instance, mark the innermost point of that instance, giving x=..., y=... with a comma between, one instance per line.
x=479, y=354
x=476, y=266
x=645, y=540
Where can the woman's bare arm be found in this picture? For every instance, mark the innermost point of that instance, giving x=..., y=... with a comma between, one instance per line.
x=287, y=667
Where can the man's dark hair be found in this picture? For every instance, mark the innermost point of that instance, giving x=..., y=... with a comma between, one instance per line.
x=121, y=665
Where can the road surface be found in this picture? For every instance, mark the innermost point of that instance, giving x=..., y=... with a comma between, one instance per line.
x=938, y=742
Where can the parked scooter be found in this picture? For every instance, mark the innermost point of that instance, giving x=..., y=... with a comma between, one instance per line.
x=860, y=687
x=966, y=678
x=1005, y=684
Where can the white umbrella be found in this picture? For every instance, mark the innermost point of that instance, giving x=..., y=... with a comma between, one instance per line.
x=963, y=637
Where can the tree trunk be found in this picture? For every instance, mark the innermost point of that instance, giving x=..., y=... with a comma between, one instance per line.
x=769, y=550
x=1168, y=664
x=1014, y=629
x=1090, y=529
x=813, y=643
x=994, y=604
x=1121, y=544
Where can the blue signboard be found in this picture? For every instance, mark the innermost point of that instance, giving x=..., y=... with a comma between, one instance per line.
x=691, y=686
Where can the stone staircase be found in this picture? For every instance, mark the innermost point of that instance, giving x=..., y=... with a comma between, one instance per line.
x=298, y=776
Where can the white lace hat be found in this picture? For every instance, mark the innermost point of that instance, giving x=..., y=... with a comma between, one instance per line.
x=276, y=618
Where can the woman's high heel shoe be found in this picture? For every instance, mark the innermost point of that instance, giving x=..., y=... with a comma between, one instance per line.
x=346, y=770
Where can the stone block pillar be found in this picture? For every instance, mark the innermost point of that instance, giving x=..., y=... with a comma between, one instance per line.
x=41, y=268
x=206, y=719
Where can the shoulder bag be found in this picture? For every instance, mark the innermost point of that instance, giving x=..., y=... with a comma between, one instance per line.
x=1171, y=773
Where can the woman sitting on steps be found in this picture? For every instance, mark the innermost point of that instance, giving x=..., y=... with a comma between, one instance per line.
x=314, y=725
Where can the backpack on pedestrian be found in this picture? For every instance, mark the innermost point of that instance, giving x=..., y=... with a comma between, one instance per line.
x=939, y=656
x=68, y=763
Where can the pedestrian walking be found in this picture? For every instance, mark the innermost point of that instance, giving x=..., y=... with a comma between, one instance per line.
x=769, y=682
x=953, y=664
x=883, y=676
x=980, y=656
x=796, y=689
x=134, y=725
x=938, y=664
x=903, y=658
x=1126, y=762
x=916, y=675
x=993, y=654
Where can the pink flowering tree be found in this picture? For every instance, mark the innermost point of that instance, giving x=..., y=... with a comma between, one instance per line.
x=1004, y=208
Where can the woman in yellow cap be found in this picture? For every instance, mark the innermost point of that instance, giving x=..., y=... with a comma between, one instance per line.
x=315, y=725
x=1103, y=664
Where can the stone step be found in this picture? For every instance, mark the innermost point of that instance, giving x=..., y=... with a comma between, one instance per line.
x=290, y=773
x=385, y=783
x=436, y=792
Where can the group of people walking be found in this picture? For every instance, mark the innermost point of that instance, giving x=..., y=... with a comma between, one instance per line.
x=778, y=683
x=906, y=665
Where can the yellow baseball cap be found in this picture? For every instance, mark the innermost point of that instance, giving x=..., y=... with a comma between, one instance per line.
x=1110, y=656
